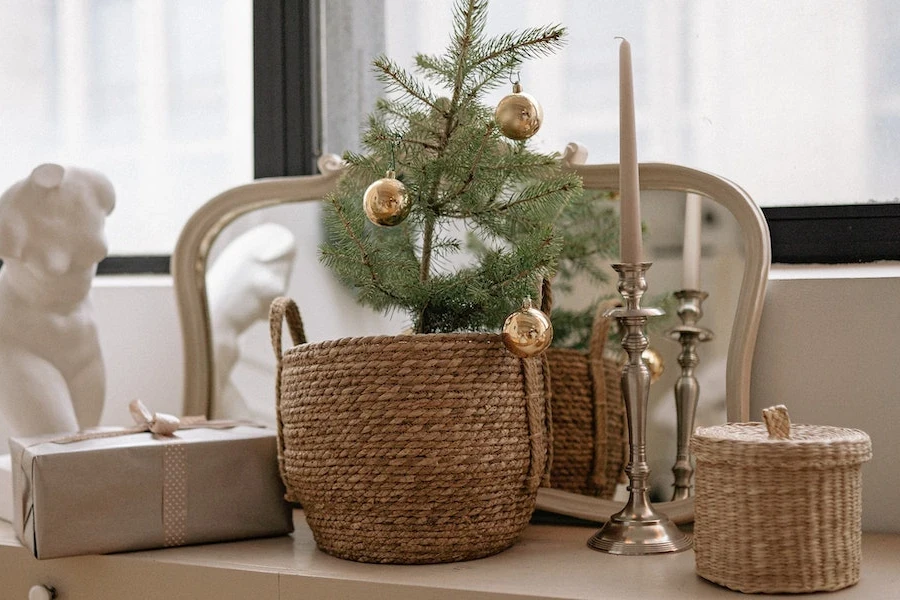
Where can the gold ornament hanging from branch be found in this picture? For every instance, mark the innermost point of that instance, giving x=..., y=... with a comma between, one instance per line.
x=528, y=331
x=386, y=201
x=518, y=114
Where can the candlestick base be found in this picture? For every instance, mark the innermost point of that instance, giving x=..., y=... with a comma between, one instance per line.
x=639, y=529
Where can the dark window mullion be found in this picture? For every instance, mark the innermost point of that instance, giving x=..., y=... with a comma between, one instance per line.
x=134, y=265
x=268, y=88
x=285, y=87
x=300, y=85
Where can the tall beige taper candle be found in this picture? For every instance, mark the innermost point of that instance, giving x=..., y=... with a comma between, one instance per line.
x=630, y=244
x=690, y=259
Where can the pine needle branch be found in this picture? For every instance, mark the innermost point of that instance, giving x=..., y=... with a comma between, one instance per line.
x=397, y=79
x=365, y=258
x=520, y=199
x=421, y=143
x=532, y=43
x=473, y=15
x=473, y=169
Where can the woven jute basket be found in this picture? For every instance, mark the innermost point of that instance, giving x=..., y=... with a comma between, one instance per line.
x=411, y=448
x=778, y=507
x=589, y=428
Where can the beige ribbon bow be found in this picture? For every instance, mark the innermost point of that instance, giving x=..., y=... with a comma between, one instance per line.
x=162, y=424
x=159, y=423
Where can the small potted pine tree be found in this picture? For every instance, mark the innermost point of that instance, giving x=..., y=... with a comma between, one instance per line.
x=430, y=447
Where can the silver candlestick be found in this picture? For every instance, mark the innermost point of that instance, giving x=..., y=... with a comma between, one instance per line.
x=638, y=528
x=687, y=389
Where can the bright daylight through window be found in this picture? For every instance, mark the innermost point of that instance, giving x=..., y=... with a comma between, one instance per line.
x=155, y=94
x=798, y=102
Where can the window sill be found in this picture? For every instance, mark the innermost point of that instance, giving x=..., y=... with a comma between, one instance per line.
x=110, y=281
x=778, y=272
x=877, y=270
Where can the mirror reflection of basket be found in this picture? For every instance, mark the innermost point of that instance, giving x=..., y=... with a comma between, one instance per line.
x=412, y=448
x=589, y=429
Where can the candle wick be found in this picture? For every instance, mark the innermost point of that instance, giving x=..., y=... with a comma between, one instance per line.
x=619, y=37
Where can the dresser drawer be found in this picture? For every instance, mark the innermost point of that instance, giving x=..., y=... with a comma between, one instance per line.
x=119, y=577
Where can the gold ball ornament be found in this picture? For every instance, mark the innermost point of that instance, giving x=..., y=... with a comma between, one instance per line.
x=653, y=359
x=386, y=201
x=654, y=362
x=527, y=332
x=519, y=115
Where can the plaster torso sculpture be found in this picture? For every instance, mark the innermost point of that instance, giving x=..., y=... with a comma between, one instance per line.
x=52, y=236
x=250, y=273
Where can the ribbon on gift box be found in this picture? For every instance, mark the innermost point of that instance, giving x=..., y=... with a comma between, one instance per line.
x=146, y=421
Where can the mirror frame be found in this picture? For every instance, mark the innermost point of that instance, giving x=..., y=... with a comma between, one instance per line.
x=189, y=263
x=757, y=259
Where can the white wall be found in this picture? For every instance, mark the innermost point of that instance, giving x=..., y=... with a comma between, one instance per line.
x=140, y=337
x=828, y=348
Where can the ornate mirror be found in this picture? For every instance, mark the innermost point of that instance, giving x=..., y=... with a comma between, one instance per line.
x=245, y=228
x=260, y=240
x=736, y=259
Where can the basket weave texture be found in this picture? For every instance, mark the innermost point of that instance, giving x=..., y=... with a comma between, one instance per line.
x=776, y=514
x=589, y=428
x=412, y=448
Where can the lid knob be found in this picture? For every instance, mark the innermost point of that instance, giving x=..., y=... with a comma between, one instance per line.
x=778, y=422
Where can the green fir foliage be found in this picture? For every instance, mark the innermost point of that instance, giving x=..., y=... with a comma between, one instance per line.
x=485, y=224
x=590, y=225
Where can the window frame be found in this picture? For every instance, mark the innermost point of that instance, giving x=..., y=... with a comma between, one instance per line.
x=286, y=55
x=287, y=141
x=286, y=127
x=837, y=234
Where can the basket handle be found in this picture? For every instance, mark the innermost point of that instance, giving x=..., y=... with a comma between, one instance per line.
x=283, y=309
x=546, y=296
x=546, y=308
x=599, y=333
x=600, y=328
x=535, y=373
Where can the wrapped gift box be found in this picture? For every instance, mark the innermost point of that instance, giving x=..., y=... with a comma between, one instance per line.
x=138, y=491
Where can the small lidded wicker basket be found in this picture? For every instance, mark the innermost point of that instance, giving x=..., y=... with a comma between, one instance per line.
x=778, y=507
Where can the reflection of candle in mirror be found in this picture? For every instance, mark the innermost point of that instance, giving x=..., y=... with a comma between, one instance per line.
x=691, y=255
x=630, y=244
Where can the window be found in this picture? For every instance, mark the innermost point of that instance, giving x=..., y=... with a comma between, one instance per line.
x=177, y=100
x=155, y=94
x=797, y=101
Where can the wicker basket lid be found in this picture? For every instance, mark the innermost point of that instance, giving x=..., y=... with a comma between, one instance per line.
x=779, y=444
